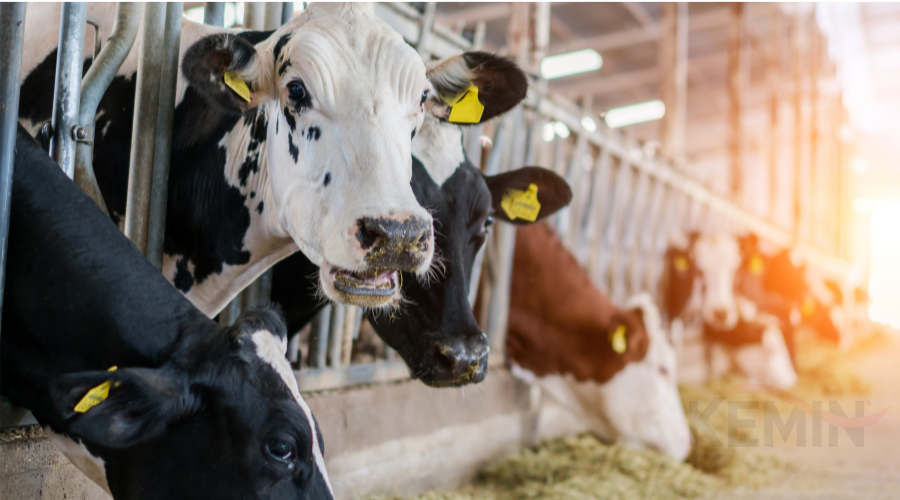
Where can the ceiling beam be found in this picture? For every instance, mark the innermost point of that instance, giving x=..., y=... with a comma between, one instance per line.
x=647, y=34
x=484, y=13
x=622, y=81
x=639, y=13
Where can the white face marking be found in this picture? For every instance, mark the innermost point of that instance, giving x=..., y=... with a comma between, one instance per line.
x=439, y=147
x=92, y=467
x=272, y=349
x=718, y=257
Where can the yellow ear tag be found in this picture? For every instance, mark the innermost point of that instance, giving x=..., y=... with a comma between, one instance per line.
x=617, y=339
x=756, y=265
x=95, y=396
x=808, y=307
x=681, y=264
x=521, y=204
x=237, y=85
x=467, y=109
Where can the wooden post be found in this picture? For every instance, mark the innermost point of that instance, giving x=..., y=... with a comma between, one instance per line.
x=673, y=58
x=815, y=169
x=736, y=36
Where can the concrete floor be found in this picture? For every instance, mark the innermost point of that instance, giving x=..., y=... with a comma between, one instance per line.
x=870, y=471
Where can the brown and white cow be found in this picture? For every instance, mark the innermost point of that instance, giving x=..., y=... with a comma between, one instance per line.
x=612, y=367
x=317, y=158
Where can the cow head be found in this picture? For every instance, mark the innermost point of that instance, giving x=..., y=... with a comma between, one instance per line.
x=717, y=258
x=340, y=94
x=223, y=419
x=437, y=333
x=641, y=402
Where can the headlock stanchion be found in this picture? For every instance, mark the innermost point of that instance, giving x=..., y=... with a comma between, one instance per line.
x=94, y=85
x=168, y=82
x=12, y=36
x=67, y=91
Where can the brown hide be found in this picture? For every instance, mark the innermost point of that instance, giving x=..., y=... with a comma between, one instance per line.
x=559, y=322
x=744, y=333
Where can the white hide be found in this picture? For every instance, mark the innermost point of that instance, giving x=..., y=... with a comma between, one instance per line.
x=439, y=147
x=92, y=467
x=366, y=85
x=640, y=405
x=717, y=257
x=272, y=349
x=768, y=362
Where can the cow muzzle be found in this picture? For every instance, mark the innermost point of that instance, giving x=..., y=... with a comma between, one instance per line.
x=457, y=363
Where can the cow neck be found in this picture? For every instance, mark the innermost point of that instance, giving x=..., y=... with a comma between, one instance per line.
x=559, y=322
x=219, y=176
x=80, y=297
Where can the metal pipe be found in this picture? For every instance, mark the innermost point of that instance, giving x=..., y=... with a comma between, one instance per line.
x=425, y=29
x=274, y=11
x=254, y=16
x=143, y=142
x=318, y=338
x=287, y=12
x=336, y=336
x=67, y=90
x=12, y=37
x=214, y=13
x=94, y=85
x=168, y=81
x=98, y=35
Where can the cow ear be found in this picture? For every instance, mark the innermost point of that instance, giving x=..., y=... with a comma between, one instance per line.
x=500, y=84
x=230, y=71
x=550, y=190
x=118, y=409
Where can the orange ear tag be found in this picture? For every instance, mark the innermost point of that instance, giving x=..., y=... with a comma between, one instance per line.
x=681, y=264
x=617, y=339
x=808, y=307
x=95, y=396
x=521, y=204
x=237, y=85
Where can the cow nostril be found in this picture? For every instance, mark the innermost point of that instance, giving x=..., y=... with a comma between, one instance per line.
x=720, y=314
x=366, y=236
x=444, y=358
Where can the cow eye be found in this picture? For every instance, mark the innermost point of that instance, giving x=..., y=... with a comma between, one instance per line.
x=296, y=90
x=424, y=96
x=280, y=450
x=488, y=222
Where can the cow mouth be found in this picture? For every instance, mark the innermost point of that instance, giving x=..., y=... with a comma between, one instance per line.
x=366, y=283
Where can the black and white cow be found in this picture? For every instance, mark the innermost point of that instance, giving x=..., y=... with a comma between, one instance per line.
x=194, y=410
x=317, y=159
x=435, y=331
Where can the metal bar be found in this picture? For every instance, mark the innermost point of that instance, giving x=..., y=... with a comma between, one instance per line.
x=318, y=338
x=12, y=37
x=287, y=12
x=214, y=13
x=146, y=111
x=274, y=11
x=98, y=35
x=350, y=314
x=67, y=91
x=231, y=312
x=255, y=16
x=103, y=69
x=321, y=379
x=425, y=30
x=336, y=335
x=168, y=82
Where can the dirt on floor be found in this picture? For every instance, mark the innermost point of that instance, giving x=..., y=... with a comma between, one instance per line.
x=755, y=444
